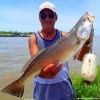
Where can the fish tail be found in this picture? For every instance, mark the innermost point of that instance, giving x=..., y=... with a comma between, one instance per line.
x=15, y=88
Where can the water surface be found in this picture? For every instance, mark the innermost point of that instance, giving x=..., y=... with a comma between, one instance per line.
x=14, y=53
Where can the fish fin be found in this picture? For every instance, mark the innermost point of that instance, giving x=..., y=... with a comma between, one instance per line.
x=26, y=65
x=14, y=88
x=30, y=60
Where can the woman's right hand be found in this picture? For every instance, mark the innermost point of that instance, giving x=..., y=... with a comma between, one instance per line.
x=50, y=70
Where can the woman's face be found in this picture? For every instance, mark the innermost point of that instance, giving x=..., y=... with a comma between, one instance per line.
x=47, y=19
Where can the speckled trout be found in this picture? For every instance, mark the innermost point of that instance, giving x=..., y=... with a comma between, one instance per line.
x=65, y=48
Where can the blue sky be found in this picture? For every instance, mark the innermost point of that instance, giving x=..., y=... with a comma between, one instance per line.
x=22, y=15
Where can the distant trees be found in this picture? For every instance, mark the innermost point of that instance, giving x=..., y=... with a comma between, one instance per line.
x=14, y=34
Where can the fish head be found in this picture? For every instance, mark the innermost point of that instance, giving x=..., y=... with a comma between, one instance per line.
x=90, y=17
x=87, y=17
x=85, y=25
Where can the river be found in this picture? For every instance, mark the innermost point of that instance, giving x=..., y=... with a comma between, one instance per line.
x=14, y=53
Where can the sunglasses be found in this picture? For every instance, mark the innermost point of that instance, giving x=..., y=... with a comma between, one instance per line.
x=43, y=15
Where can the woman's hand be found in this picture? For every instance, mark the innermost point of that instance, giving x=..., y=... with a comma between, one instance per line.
x=50, y=70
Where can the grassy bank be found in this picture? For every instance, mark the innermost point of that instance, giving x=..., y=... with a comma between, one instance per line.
x=14, y=34
x=85, y=91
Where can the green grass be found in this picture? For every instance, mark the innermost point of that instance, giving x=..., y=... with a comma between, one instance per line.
x=14, y=34
x=86, y=91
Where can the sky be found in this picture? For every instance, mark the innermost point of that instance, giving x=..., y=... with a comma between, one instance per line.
x=22, y=15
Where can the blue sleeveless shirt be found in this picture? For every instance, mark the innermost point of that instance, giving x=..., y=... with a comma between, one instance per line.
x=63, y=74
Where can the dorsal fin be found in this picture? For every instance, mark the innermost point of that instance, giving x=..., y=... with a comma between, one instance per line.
x=31, y=59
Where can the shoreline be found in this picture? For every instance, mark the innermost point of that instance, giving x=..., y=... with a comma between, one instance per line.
x=14, y=34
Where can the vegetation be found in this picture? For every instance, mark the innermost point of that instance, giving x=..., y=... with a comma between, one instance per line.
x=85, y=91
x=14, y=34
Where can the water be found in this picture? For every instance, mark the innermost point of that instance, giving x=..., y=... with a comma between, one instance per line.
x=14, y=53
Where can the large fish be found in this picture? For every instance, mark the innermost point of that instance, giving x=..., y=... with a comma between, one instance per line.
x=61, y=51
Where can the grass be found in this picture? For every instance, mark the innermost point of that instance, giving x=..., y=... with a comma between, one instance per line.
x=85, y=91
x=14, y=34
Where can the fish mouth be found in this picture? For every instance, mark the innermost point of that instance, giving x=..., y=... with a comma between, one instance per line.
x=90, y=17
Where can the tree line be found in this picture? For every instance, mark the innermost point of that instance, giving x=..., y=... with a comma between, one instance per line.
x=14, y=34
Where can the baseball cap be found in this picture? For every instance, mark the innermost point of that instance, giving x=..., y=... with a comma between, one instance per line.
x=47, y=5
